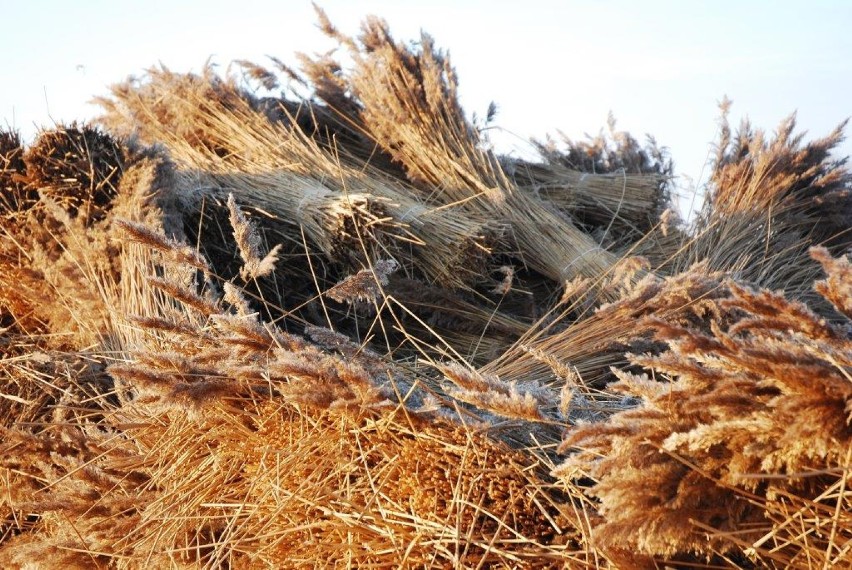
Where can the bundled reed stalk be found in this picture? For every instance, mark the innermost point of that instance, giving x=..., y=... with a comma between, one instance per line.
x=157, y=410
x=609, y=181
x=769, y=200
x=407, y=102
x=595, y=343
x=629, y=198
x=61, y=263
x=211, y=129
x=13, y=194
x=753, y=173
x=77, y=168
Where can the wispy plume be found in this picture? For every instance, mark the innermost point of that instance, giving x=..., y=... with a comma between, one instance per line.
x=248, y=241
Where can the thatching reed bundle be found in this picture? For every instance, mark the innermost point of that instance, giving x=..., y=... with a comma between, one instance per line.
x=60, y=261
x=769, y=200
x=13, y=194
x=609, y=181
x=212, y=130
x=279, y=333
x=628, y=199
x=617, y=189
x=407, y=103
x=595, y=343
x=753, y=173
x=77, y=168
x=65, y=268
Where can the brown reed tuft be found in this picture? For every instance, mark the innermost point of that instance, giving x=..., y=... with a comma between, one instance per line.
x=754, y=410
x=366, y=285
x=769, y=200
x=248, y=243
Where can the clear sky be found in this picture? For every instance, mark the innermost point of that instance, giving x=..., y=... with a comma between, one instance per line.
x=659, y=66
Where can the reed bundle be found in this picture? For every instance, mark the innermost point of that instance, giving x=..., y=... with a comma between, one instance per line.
x=598, y=341
x=286, y=173
x=625, y=200
x=391, y=387
x=407, y=103
x=769, y=200
x=13, y=195
x=731, y=436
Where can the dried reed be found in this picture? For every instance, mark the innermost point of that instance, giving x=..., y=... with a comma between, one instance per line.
x=751, y=432
x=212, y=130
x=407, y=103
x=174, y=392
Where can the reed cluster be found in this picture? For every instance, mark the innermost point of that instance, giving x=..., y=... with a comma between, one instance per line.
x=330, y=327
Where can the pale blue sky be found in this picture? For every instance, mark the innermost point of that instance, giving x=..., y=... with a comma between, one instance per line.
x=661, y=67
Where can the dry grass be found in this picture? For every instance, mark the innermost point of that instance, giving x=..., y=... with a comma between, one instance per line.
x=407, y=103
x=339, y=332
x=753, y=423
x=224, y=145
x=769, y=200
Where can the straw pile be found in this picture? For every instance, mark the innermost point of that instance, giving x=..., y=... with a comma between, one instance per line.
x=332, y=330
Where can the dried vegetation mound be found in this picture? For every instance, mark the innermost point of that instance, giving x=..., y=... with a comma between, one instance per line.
x=242, y=328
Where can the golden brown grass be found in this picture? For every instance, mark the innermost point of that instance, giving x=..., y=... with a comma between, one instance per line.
x=407, y=103
x=338, y=332
x=224, y=146
x=753, y=422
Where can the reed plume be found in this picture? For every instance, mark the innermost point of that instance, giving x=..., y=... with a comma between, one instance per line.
x=753, y=410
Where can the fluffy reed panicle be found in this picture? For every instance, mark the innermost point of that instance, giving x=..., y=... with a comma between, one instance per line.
x=490, y=394
x=258, y=73
x=179, y=291
x=837, y=287
x=248, y=243
x=174, y=250
x=234, y=297
x=755, y=409
x=364, y=286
